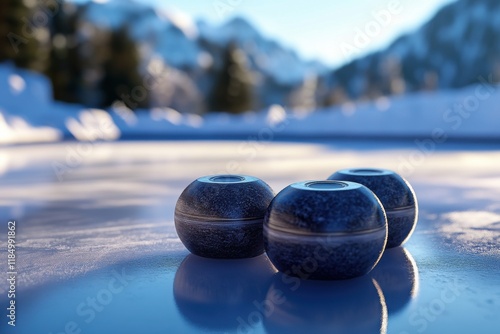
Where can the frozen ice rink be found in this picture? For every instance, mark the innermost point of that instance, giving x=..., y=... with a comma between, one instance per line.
x=97, y=250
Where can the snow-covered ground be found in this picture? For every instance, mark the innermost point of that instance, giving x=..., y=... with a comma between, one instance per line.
x=28, y=114
x=89, y=212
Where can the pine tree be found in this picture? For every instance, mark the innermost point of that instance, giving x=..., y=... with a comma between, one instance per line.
x=19, y=38
x=65, y=68
x=233, y=89
x=121, y=80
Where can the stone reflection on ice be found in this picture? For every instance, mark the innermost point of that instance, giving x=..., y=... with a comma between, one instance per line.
x=398, y=277
x=220, y=294
x=326, y=306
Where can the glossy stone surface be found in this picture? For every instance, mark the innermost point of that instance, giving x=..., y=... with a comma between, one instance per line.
x=397, y=197
x=325, y=230
x=221, y=216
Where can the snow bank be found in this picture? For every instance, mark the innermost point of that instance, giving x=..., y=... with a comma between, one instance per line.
x=470, y=113
x=24, y=102
x=18, y=131
x=28, y=114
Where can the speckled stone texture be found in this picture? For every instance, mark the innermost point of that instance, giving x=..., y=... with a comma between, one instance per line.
x=221, y=216
x=325, y=230
x=348, y=306
x=397, y=197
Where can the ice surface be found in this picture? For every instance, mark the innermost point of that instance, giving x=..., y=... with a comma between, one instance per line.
x=87, y=211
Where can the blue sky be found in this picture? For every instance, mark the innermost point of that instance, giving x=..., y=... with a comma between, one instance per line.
x=326, y=30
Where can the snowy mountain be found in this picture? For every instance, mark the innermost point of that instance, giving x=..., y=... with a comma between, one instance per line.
x=193, y=52
x=186, y=44
x=456, y=48
x=266, y=55
x=168, y=34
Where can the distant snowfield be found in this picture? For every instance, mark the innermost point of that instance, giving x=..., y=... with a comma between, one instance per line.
x=28, y=114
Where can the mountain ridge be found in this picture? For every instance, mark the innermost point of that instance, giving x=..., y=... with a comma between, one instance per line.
x=451, y=50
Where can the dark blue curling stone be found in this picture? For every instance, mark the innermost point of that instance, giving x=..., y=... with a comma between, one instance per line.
x=397, y=197
x=325, y=230
x=221, y=216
